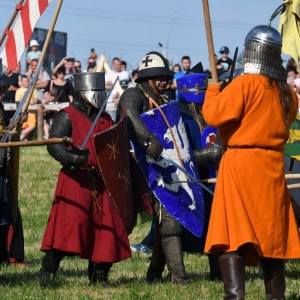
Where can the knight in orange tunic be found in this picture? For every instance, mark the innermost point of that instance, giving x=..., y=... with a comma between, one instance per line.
x=252, y=217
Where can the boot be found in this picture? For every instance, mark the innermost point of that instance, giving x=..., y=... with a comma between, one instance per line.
x=157, y=264
x=273, y=271
x=101, y=273
x=50, y=265
x=45, y=278
x=233, y=273
x=214, y=268
x=91, y=272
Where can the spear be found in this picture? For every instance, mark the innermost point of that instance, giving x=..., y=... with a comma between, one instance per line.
x=18, y=6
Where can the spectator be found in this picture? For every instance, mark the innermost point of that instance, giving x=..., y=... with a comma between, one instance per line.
x=225, y=61
x=220, y=69
x=77, y=66
x=293, y=79
x=68, y=63
x=34, y=53
x=290, y=62
x=12, y=79
x=28, y=126
x=91, y=63
x=116, y=71
x=176, y=68
x=64, y=88
x=42, y=80
x=57, y=90
x=124, y=84
x=186, y=65
x=134, y=76
x=123, y=65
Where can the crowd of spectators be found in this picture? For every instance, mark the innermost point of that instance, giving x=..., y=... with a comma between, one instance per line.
x=58, y=86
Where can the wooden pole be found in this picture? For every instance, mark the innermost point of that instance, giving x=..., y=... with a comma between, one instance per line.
x=10, y=22
x=46, y=44
x=53, y=141
x=210, y=43
x=214, y=180
x=40, y=121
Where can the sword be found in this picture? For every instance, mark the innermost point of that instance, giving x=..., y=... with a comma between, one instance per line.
x=194, y=179
x=20, y=106
x=98, y=116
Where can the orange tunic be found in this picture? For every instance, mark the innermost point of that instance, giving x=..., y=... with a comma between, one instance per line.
x=251, y=202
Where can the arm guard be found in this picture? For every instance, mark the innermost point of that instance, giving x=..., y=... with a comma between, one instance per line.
x=210, y=154
x=62, y=127
x=135, y=104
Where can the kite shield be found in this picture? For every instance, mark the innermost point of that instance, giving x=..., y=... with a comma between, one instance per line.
x=112, y=147
x=183, y=200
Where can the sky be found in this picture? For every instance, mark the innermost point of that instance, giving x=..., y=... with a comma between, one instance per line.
x=129, y=29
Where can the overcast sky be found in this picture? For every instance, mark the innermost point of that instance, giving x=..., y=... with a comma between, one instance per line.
x=129, y=29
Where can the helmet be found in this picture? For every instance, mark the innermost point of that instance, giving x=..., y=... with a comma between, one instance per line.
x=224, y=49
x=153, y=64
x=192, y=87
x=263, y=53
x=92, y=87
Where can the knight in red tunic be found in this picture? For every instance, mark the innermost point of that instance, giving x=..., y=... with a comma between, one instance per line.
x=83, y=219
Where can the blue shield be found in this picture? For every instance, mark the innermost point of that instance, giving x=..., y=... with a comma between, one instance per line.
x=184, y=201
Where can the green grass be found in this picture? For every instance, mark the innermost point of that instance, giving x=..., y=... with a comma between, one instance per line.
x=38, y=175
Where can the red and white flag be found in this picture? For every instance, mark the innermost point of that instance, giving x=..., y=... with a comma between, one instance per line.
x=18, y=37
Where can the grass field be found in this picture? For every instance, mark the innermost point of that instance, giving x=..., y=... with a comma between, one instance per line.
x=38, y=175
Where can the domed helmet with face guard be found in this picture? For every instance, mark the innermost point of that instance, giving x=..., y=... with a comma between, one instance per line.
x=92, y=87
x=263, y=50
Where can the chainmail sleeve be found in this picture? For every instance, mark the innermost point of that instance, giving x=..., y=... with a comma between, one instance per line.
x=135, y=103
x=209, y=154
x=62, y=127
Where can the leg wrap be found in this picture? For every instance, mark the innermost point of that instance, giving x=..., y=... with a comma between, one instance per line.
x=170, y=231
x=52, y=260
x=274, y=278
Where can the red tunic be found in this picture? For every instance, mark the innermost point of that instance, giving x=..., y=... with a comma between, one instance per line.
x=81, y=222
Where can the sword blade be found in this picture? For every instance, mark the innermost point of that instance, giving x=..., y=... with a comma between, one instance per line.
x=194, y=179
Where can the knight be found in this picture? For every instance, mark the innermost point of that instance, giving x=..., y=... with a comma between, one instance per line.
x=6, y=215
x=83, y=220
x=153, y=77
x=191, y=94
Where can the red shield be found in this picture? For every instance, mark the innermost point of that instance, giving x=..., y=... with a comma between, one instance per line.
x=112, y=147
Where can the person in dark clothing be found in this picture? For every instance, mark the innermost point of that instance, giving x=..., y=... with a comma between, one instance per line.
x=12, y=79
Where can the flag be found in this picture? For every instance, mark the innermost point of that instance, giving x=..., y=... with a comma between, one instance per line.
x=289, y=27
x=18, y=37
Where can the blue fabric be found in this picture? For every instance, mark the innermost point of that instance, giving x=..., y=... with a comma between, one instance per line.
x=183, y=201
x=191, y=243
x=176, y=76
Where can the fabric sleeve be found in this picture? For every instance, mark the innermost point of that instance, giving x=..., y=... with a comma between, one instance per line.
x=226, y=106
